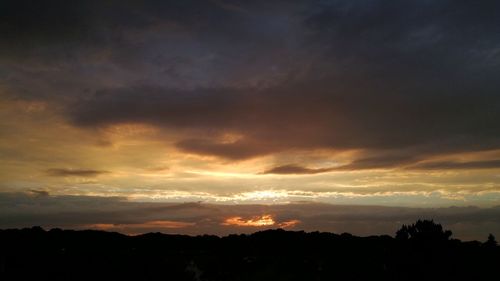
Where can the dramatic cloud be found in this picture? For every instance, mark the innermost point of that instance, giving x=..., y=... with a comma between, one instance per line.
x=364, y=102
x=385, y=76
x=286, y=118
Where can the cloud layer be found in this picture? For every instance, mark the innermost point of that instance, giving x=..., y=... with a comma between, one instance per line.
x=416, y=79
x=118, y=214
x=74, y=172
x=235, y=97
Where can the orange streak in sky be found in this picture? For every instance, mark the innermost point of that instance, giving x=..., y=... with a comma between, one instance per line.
x=255, y=221
x=149, y=224
x=290, y=223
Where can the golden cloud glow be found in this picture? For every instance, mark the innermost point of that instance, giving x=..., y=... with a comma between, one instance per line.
x=288, y=224
x=263, y=220
x=139, y=162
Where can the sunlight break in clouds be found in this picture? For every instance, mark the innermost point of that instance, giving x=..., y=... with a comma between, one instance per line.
x=263, y=220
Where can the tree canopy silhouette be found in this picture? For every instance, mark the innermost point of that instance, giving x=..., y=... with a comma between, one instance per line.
x=424, y=230
x=491, y=242
x=421, y=251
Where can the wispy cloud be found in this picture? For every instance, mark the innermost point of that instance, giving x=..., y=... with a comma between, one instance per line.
x=296, y=170
x=75, y=172
x=37, y=192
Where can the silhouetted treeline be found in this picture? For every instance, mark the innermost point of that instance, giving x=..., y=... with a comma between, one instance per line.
x=422, y=251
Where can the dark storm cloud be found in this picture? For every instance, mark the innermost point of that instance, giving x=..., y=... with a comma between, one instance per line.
x=75, y=172
x=31, y=26
x=414, y=38
x=306, y=117
x=403, y=81
x=22, y=210
x=56, y=31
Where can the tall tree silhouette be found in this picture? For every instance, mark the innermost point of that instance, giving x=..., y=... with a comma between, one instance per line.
x=491, y=242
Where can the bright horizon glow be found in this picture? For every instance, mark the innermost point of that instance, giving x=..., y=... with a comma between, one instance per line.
x=264, y=220
x=258, y=221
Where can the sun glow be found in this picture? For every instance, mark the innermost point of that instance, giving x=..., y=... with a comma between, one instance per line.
x=263, y=220
x=255, y=221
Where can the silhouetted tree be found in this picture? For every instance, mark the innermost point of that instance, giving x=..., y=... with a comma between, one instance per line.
x=60, y=255
x=491, y=242
x=423, y=230
x=402, y=233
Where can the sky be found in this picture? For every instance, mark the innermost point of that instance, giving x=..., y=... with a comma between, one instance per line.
x=237, y=115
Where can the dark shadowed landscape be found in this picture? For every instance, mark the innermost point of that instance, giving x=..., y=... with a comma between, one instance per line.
x=421, y=251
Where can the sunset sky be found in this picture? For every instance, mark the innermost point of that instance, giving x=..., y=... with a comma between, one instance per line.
x=222, y=114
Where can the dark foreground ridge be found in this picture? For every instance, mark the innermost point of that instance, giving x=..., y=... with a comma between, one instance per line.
x=422, y=251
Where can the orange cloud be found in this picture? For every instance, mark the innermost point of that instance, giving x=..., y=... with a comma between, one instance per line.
x=290, y=223
x=255, y=221
x=264, y=220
